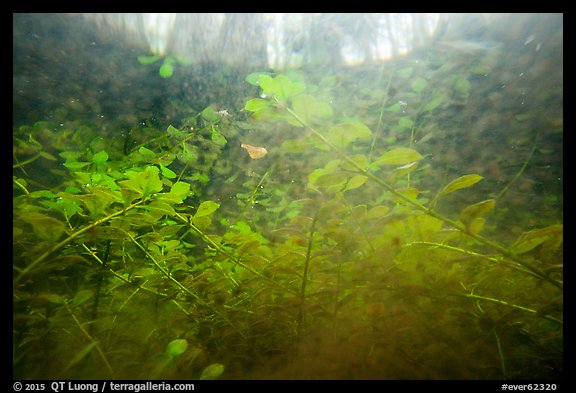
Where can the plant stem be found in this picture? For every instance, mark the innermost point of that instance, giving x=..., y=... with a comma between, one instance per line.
x=305, y=273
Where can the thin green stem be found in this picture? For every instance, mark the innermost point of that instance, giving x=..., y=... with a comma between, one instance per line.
x=305, y=273
x=501, y=354
x=514, y=306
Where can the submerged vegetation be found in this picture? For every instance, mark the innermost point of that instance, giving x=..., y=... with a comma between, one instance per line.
x=208, y=249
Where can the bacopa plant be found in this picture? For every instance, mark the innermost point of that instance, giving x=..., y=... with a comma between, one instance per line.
x=324, y=251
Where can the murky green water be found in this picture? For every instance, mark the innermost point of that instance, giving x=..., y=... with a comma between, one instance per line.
x=392, y=220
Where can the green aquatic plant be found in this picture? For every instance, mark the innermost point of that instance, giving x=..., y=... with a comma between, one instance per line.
x=172, y=254
x=166, y=70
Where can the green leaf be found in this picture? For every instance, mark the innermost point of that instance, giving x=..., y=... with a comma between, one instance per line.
x=459, y=183
x=343, y=134
x=182, y=189
x=167, y=172
x=532, y=239
x=202, y=222
x=471, y=215
x=418, y=85
x=173, y=131
x=100, y=157
x=310, y=108
x=75, y=165
x=218, y=138
x=48, y=156
x=147, y=154
x=166, y=70
x=206, y=208
x=176, y=347
x=355, y=182
x=359, y=159
x=46, y=227
x=146, y=60
x=213, y=371
x=398, y=156
x=255, y=76
x=377, y=211
x=280, y=87
x=401, y=171
x=210, y=114
x=257, y=104
x=143, y=183
x=159, y=209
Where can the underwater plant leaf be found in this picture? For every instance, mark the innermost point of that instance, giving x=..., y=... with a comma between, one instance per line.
x=377, y=211
x=257, y=104
x=532, y=239
x=213, y=371
x=460, y=183
x=281, y=87
x=210, y=114
x=360, y=159
x=166, y=70
x=294, y=146
x=75, y=165
x=159, y=209
x=401, y=171
x=309, y=107
x=255, y=76
x=144, y=183
x=100, y=157
x=470, y=214
x=206, y=208
x=176, y=347
x=331, y=181
x=343, y=134
x=46, y=227
x=418, y=85
x=180, y=188
x=409, y=192
x=48, y=156
x=173, y=131
x=398, y=156
x=355, y=182
x=475, y=225
x=217, y=137
x=167, y=172
x=147, y=154
x=146, y=60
